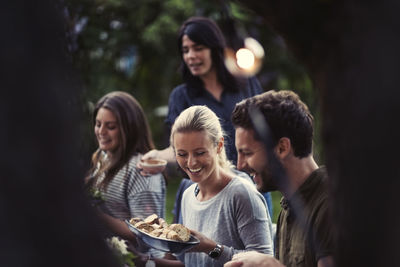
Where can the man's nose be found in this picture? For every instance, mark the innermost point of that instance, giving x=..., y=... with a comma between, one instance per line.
x=241, y=163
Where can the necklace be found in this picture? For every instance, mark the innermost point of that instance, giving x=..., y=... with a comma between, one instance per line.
x=196, y=190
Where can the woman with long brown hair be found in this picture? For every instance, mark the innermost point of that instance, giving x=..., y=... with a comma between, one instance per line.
x=123, y=136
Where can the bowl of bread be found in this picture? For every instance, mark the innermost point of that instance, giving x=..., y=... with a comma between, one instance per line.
x=158, y=234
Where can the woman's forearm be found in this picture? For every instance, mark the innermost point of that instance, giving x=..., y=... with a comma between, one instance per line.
x=166, y=153
x=116, y=226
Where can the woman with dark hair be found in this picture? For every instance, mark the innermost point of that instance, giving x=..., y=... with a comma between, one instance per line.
x=206, y=80
x=203, y=33
x=123, y=136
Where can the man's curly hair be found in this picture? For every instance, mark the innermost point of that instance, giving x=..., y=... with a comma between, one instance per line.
x=286, y=115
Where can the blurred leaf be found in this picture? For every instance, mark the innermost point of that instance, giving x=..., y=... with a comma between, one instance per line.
x=143, y=33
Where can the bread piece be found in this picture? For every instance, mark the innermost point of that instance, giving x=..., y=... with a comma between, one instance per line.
x=162, y=223
x=156, y=232
x=164, y=233
x=144, y=227
x=173, y=235
x=156, y=226
x=182, y=231
x=151, y=219
x=135, y=220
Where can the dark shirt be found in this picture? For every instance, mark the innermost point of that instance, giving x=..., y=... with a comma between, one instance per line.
x=183, y=97
x=303, y=242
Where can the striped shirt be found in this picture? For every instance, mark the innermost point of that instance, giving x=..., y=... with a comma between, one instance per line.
x=129, y=194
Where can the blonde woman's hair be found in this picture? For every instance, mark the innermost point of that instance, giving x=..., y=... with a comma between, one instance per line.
x=199, y=119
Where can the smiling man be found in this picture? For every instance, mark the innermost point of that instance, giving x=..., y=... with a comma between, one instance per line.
x=304, y=236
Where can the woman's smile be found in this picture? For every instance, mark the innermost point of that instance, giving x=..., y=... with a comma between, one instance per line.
x=194, y=170
x=107, y=130
x=196, y=155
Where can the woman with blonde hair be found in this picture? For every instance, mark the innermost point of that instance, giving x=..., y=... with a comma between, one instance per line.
x=224, y=211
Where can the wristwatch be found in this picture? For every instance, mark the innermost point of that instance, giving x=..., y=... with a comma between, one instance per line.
x=216, y=252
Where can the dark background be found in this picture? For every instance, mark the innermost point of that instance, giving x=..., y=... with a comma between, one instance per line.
x=346, y=68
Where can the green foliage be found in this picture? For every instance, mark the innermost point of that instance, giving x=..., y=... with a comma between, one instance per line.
x=276, y=206
x=145, y=31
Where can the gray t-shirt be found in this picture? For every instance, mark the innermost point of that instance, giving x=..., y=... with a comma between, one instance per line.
x=236, y=218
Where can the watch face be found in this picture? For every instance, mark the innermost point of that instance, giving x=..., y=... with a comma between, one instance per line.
x=215, y=252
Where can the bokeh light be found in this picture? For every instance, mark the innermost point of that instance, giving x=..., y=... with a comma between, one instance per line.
x=247, y=61
x=245, y=58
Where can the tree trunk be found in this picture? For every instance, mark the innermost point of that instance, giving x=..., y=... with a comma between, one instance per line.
x=45, y=219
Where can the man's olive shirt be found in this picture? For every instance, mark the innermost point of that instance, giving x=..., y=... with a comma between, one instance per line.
x=303, y=238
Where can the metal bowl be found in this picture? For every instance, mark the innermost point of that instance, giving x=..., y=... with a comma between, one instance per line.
x=162, y=244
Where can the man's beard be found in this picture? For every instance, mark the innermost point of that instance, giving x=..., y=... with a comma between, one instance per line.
x=273, y=175
x=268, y=182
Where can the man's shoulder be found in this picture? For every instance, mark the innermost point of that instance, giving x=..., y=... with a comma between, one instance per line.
x=321, y=177
x=318, y=201
x=318, y=179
